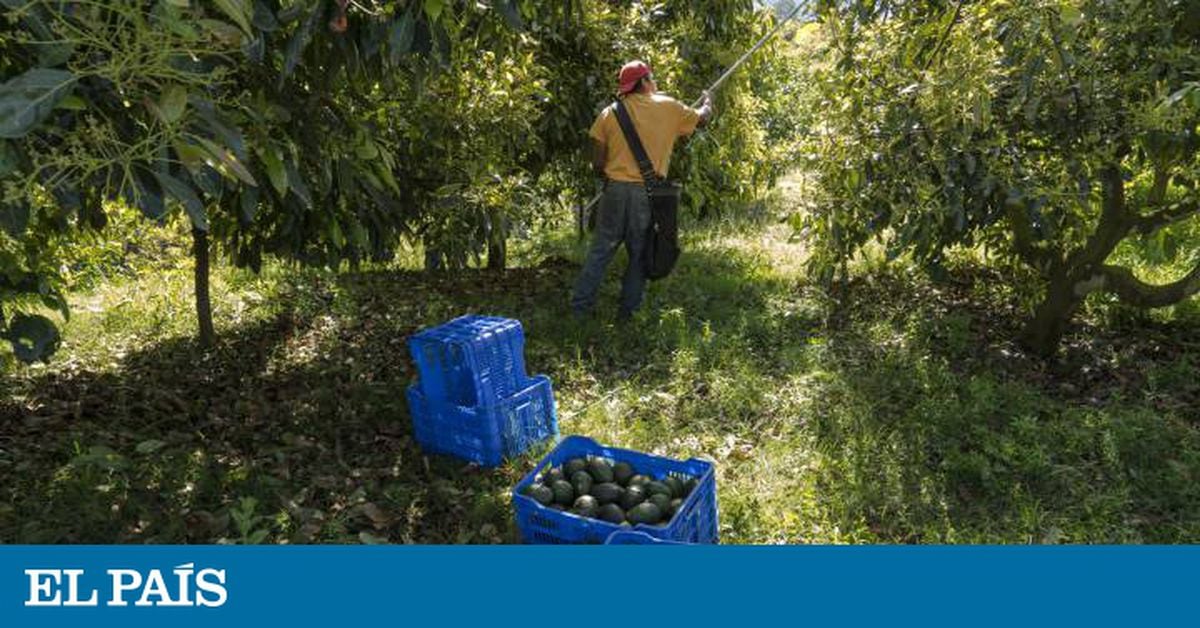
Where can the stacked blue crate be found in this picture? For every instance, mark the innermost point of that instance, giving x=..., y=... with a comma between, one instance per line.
x=473, y=398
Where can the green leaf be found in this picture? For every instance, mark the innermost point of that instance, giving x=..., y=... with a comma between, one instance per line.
x=34, y=338
x=192, y=157
x=1070, y=15
x=227, y=162
x=172, y=103
x=433, y=8
x=225, y=32
x=512, y=14
x=276, y=171
x=239, y=11
x=14, y=218
x=28, y=99
x=299, y=187
x=264, y=20
x=186, y=195
x=297, y=45
x=401, y=39
x=147, y=196
x=149, y=446
x=9, y=159
x=249, y=204
x=73, y=103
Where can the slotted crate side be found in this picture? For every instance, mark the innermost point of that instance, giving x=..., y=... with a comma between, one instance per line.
x=471, y=360
x=485, y=435
x=696, y=521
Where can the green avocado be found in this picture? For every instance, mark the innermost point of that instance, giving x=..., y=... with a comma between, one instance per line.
x=540, y=493
x=573, y=466
x=674, y=507
x=639, y=480
x=622, y=472
x=663, y=502
x=607, y=493
x=658, y=488
x=600, y=470
x=586, y=506
x=564, y=493
x=582, y=482
x=611, y=513
x=676, y=486
x=552, y=476
x=633, y=496
x=646, y=513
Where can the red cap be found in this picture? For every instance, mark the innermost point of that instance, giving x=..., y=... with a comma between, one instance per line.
x=631, y=73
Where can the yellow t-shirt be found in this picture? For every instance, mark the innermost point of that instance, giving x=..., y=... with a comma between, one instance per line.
x=659, y=120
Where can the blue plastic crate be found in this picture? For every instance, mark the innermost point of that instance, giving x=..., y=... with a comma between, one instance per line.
x=695, y=522
x=471, y=361
x=631, y=537
x=486, y=434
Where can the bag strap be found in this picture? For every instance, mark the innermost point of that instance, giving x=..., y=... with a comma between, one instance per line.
x=646, y=166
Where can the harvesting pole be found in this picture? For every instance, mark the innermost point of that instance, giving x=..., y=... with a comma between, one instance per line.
x=712, y=90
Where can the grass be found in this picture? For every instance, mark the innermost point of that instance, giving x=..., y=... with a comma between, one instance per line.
x=898, y=413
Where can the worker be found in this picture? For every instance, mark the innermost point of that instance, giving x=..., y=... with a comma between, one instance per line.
x=624, y=210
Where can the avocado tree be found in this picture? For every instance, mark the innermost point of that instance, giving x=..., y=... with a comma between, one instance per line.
x=1045, y=132
x=258, y=118
x=326, y=132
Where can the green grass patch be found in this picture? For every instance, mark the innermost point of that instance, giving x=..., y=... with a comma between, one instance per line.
x=899, y=413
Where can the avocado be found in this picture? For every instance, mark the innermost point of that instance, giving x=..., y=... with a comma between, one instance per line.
x=639, y=480
x=676, y=486
x=633, y=496
x=644, y=512
x=573, y=466
x=674, y=507
x=607, y=493
x=564, y=493
x=663, y=502
x=622, y=471
x=582, y=482
x=658, y=488
x=611, y=513
x=690, y=486
x=600, y=470
x=552, y=476
x=540, y=493
x=586, y=506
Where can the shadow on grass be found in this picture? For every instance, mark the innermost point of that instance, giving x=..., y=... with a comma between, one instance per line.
x=932, y=428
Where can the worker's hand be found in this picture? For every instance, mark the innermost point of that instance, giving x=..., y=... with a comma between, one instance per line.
x=707, y=109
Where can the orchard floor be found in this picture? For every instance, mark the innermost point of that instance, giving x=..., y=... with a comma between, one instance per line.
x=904, y=415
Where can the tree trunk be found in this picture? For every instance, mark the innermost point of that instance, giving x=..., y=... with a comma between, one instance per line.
x=497, y=254
x=497, y=258
x=1044, y=332
x=203, y=302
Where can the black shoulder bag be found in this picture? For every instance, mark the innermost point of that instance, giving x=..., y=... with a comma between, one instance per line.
x=662, y=238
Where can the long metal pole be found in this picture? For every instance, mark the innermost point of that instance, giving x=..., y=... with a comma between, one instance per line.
x=712, y=88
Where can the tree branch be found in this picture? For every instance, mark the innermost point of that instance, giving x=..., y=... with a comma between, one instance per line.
x=1150, y=223
x=937, y=49
x=1133, y=291
x=1115, y=223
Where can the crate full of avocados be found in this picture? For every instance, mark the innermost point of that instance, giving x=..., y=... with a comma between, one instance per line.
x=583, y=492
